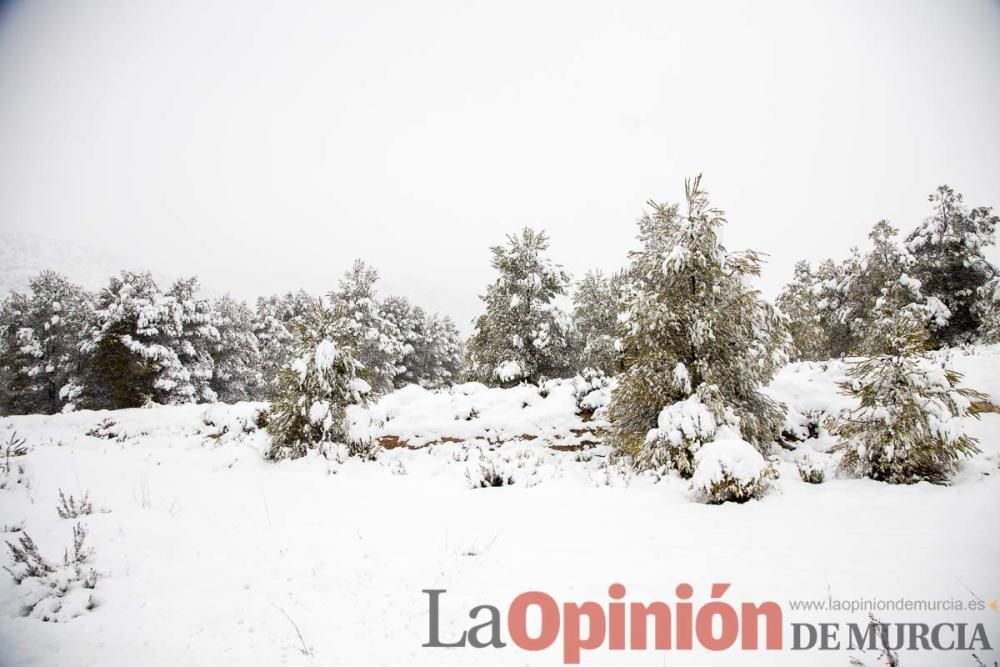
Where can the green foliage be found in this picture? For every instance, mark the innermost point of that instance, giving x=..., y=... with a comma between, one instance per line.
x=523, y=336
x=314, y=390
x=906, y=427
x=947, y=249
x=799, y=302
x=273, y=320
x=375, y=338
x=693, y=325
x=40, y=334
x=596, y=303
x=236, y=351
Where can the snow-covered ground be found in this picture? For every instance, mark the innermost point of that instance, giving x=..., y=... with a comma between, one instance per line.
x=207, y=554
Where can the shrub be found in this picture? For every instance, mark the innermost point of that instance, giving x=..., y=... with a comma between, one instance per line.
x=907, y=426
x=71, y=508
x=730, y=470
x=54, y=593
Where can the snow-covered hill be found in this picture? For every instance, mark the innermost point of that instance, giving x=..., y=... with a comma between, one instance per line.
x=24, y=255
x=207, y=554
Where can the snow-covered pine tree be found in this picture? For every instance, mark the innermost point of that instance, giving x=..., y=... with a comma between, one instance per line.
x=193, y=335
x=431, y=343
x=988, y=310
x=523, y=336
x=439, y=358
x=409, y=321
x=132, y=350
x=314, y=390
x=699, y=341
x=799, y=302
x=948, y=260
x=40, y=337
x=596, y=303
x=124, y=355
x=907, y=426
x=832, y=280
x=882, y=266
x=376, y=340
x=235, y=353
x=273, y=319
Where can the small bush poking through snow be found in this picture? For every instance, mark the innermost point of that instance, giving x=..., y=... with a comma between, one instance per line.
x=54, y=593
x=71, y=508
x=811, y=470
x=105, y=429
x=730, y=470
x=491, y=472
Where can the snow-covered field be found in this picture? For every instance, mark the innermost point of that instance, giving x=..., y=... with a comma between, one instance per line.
x=207, y=554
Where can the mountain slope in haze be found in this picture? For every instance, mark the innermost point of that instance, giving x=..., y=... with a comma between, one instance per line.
x=24, y=255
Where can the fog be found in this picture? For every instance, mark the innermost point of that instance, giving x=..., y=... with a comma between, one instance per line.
x=265, y=145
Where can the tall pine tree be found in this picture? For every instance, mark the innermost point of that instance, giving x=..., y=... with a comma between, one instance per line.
x=694, y=329
x=948, y=260
x=523, y=336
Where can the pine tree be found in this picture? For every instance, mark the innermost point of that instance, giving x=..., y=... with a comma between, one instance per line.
x=136, y=349
x=694, y=331
x=439, y=358
x=235, y=354
x=273, y=319
x=832, y=280
x=314, y=390
x=523, y=336
x=432, y=346
x=948, y=260
x=800, y=303
x=409, y=322
x=881, y=267
x=376, y=340
x=595, y=316
x=192, y=334
x=40, y=335
x=906, y=427
x=988, y=311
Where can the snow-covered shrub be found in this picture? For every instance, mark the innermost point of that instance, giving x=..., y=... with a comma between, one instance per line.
x=523, y=336
x=907, y=426
x=13, y=448
x=811, y=469
x=693, y=326
x=71, y=508
x=54, y=593
x=681, y=430
x=11, y=471
x=106, y=429
x=490, y=471
x=314, y=390
x=503, y=468
x=730, y=470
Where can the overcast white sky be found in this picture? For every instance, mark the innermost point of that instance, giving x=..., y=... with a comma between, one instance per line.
x=264, y=145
